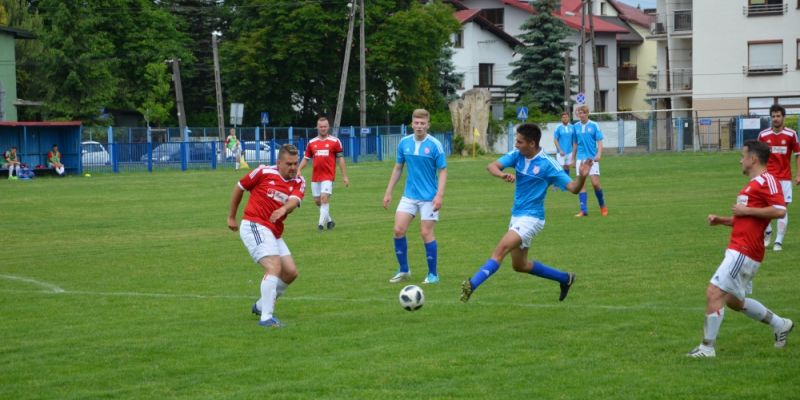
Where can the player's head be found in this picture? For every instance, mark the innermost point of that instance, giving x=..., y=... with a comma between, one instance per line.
x=564, y=117
x=232, y=132
x=755, y=153
x=420, y=121
x=55, y=147
x=527, y=140
x=583, y=112
x=323, y=126
x=287, y=161
x=777, y=113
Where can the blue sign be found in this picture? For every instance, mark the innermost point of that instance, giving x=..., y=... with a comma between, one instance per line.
x=365, y=131
x=704, y=121
x=522, y=113
x=581, y=98
x=344, y=131
x=264, y=118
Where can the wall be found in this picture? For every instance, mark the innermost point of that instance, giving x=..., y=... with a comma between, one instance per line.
x=8, y=76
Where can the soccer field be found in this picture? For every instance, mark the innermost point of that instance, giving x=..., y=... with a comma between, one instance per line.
x=131, y=286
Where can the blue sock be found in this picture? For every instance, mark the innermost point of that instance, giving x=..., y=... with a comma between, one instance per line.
x=430, y=255
x=582, y=197
x=489, y=267
x=546, y=272
x=401, y=251
x=600, y=199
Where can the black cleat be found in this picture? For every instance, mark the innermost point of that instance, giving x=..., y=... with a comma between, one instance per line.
x=331, y=224
x=255, y=309
x=320, y=228
x=466, y=291
x=565, y=286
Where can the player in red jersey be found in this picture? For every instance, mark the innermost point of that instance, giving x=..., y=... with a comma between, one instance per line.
x=783, y=144
x=760, y=201
x=275, y=191
x=325, y=151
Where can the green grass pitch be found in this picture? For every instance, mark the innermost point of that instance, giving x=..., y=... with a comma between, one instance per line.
x=131, y=286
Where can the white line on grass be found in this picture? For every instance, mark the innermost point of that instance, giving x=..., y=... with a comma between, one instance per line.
x=53, y=288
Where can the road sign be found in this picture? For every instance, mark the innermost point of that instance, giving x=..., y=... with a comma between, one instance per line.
x=237, y=113
x=704, y=121
x=522, y=113
x=264, y=118
x=580, y=98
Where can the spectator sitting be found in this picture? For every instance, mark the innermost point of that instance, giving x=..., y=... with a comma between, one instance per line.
x=11, y=162
x=54, y=160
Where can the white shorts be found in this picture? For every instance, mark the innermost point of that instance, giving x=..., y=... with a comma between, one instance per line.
x=317, y=188
x=260, y=241
x=595, y=170
x=735, y=274
x=787, y=191
x=526, y=227
x=425, y=208
x=564, y=160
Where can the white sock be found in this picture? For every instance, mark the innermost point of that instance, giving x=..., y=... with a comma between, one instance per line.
x=782, y=223
x=281, y=288
x=757, y=311
x=17, y=170
x=322, y=216
x=60, y=170
x=711, y=327
x=325, y=209
x=268, y=295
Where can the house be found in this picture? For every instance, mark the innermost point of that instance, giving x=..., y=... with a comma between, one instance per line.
x=8, y=71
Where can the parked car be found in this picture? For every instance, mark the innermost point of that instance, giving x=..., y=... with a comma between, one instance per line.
x=171, y=152
x=249, y=152
x=93, y=153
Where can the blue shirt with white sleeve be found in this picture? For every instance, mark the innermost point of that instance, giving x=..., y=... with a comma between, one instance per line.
x=533, y=177
x=564, y=135
x=587, y=136
x=424, y=159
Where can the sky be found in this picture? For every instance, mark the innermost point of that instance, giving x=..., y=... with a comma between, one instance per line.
x=643, y=3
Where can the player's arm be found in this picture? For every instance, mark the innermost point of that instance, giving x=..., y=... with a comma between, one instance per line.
x=714, y=219
x=797, y=168
x=285, y=209
x=437, y=200
x=387, y=196
x=302, y=165
x=599, y=154
x=576, y=185
x=340, y=161
x=558, y=147
x=769, y=212
x=496, y=169
x=236, y=199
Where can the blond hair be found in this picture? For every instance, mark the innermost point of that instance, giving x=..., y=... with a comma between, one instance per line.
x=583, y=107
x=421, y=113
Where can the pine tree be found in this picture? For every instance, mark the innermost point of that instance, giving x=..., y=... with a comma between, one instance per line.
x=449, y=80
x=539, y=73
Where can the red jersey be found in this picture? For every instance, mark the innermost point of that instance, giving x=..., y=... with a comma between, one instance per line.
x=782, y=146
x=747, y=236
x=323, y=153
x=269, y=192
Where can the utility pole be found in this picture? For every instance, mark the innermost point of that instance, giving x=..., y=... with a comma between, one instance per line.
x=362, y=69
x=345, y=65
x=176, y=77
x=218, y=86
x=594, y=60
x=582, y=51
x=2, y=102
x=566, y=81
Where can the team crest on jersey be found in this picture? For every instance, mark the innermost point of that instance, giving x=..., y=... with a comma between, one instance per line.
x=535, y=169
x=277, y=195
x=427, y=150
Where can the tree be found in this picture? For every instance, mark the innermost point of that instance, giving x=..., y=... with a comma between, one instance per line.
x=31, y=84
x=539, y=73
x=157, y=103
x=449, y=80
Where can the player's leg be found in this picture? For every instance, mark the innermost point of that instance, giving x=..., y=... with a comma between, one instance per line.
x=594, y=177
x=582, y=195
x=269, y=289
x=529, y=227
x=783, y=222
x=326, y=187
x=236, y=156
x=265, y=250
x=406, y=210
x=427, y=223
x=316, y=191
x=510, y=241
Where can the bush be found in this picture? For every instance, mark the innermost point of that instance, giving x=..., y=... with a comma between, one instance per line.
x=458, y=145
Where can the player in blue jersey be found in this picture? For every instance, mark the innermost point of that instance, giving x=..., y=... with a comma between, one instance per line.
x=563, y=137
x=427, y=176
x=535, y=171
x=589, y=146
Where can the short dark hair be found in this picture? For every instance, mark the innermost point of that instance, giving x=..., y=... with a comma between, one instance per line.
x=777, y=108
x=531, y=132
x=758, y=149
x=289, y=149
x=322, y=118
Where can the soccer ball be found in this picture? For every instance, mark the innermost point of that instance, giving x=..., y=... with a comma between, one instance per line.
x=412, y=298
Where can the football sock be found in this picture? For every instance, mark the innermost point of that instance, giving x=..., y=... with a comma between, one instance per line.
x=582, y=197
x=600, y=200
x=768, y=231
x=782, y=228
x=323, y=213
x=488, y=269
x=711, y=327
x=268, y=293
x=401, y=251
x=280, y=288
x=757, y=311
x=546, y=272
x=431, y=251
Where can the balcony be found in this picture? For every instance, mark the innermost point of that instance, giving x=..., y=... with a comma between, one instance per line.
x=768, y=8
x=678, y=22
x=683, y=20
x=499, y=93
x=627, y=72
x=678, y=82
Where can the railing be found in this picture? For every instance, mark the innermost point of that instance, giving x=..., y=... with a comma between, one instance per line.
x=627, y=73
x=499, y=92
x=765, y=70
x=683, y=20
x=756, y=10
x=681, y=79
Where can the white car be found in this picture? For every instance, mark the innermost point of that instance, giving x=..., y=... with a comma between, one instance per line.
x=250, y=152
x=93, y=153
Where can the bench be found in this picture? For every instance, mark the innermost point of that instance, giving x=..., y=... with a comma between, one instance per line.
x=37, y=172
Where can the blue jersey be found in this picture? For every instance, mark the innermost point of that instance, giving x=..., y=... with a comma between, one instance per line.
x=534, y=176
x=424, y=159
x=564, y=135
x=587, y=136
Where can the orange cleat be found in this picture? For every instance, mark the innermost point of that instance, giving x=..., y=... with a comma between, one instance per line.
x=604, y=211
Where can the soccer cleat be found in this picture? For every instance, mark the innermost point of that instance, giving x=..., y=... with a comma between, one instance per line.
x=604, y=211
x=565, y=286
x=466, y=291
x=780, y=336
x=581, y=214
x=400, y=277
x=431, y=279
x=767, y=237
x=702, y=351
x=271, y=323
x=255, y=309
x=778, y=246
x=320, y=228
x=331, y=224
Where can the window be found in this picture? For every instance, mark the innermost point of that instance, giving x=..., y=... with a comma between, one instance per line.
x=603, y=100
x=485, y=74
x=624, y=55
x=765, y=7
x=601, y=56
x=765, y=57
x=458, y=40
x=761, y=105
x=494, y=15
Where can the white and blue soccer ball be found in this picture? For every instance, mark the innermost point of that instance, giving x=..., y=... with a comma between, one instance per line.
x=412, y=298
